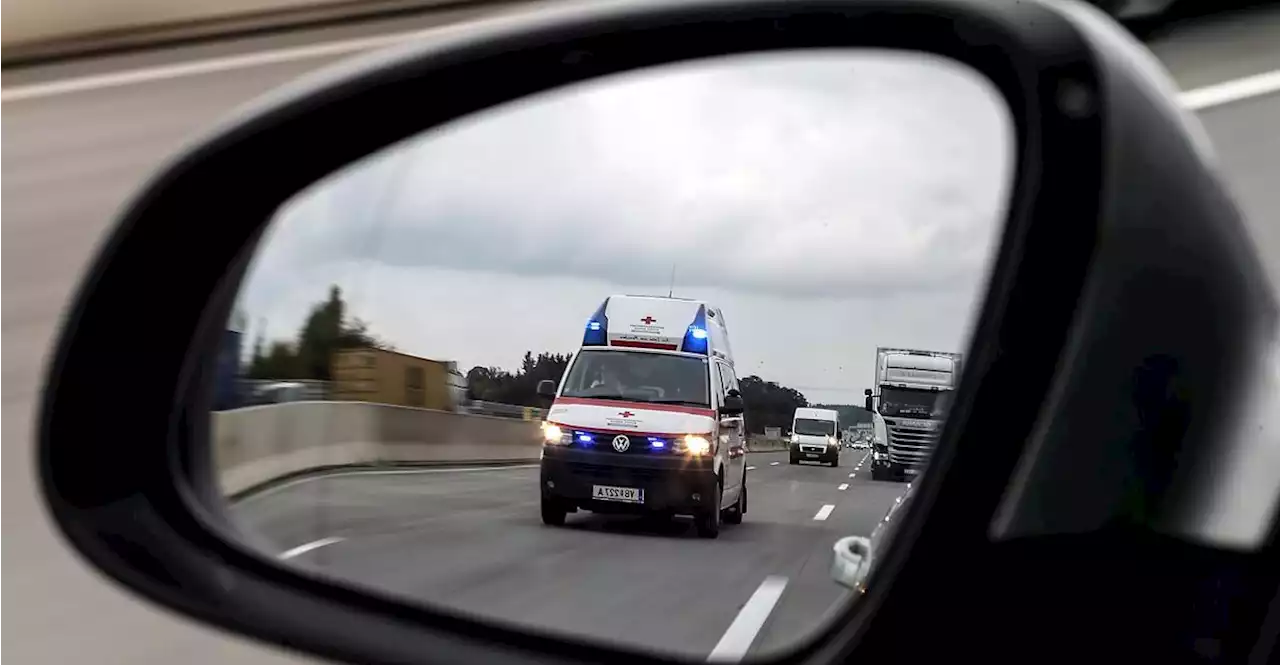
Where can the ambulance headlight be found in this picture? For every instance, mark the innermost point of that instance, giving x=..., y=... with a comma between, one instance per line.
x=553, y=435
x=695, y=445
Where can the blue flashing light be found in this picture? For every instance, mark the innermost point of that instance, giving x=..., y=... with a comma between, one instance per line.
x=695, y=339
x=585, y=438
x=657, y=443
x=597, y=327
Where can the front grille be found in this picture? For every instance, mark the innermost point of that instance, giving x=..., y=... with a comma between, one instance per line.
x=910, y=445
x=640, y=443
x=811, y=448
x=611, y=473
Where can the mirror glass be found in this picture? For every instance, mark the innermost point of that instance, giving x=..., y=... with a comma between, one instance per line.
x=800, y=227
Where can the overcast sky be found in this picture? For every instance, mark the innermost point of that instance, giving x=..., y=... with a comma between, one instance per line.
x=828, y=202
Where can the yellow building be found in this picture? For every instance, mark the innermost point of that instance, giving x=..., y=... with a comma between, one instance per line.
x=389, y=377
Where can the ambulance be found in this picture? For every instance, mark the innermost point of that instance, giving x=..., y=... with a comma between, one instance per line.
x=648, y=417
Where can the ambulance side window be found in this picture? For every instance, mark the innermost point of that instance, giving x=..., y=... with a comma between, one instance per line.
x=726, y=380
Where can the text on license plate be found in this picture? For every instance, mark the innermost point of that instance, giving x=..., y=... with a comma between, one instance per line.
x=623, y=494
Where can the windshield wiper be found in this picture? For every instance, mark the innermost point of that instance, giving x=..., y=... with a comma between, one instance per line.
x=677, y=401
x=621, y=398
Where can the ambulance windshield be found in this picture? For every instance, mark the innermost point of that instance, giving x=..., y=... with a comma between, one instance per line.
x=638, y=376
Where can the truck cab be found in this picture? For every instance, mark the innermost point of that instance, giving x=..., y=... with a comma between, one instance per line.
x=914, y=391
x=879, y=446
x=815, y=436
x=648, y=417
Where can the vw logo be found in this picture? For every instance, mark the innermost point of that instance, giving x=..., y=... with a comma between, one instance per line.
x=621, y=443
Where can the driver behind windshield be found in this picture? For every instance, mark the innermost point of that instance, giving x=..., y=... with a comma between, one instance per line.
x=632, y=378
x=608, y=381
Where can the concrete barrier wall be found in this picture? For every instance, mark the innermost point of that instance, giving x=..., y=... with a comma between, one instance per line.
x=256, y=445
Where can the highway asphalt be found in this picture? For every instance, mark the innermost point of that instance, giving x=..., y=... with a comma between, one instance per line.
x=473, y=541
x=71, y=159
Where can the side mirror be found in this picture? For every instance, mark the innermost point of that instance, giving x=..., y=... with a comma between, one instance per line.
x=733, y=404
x=851, y=561
x=1093, y=241
x=868, y=402
x=546, y=388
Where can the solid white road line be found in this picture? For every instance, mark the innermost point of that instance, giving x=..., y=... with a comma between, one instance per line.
x=1227, y=92
x=742, y=632
x=313, y=545
x=844, y=486
x=824, y=512
x=1209, y=96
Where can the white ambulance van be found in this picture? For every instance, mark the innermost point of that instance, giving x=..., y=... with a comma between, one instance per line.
x=815, y=436
x=647, y=418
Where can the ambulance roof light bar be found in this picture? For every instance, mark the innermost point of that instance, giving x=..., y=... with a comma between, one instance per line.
x=695, y=338
x=597, y=332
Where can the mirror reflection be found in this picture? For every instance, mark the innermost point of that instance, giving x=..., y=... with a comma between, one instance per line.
x=624, y=361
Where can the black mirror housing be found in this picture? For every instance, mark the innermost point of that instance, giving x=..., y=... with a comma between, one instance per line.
x=1093, y=239
x=547, y=389
x=733, y=405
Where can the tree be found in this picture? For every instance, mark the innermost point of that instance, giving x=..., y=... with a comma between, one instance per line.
x=849, y=414
x=769, y=404
x=493, y=384
x=278, y=362
x=325, y=330
x=484, y=383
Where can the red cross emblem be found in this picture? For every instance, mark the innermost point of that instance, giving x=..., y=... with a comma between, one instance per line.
x=626, y=414
x=649, y=320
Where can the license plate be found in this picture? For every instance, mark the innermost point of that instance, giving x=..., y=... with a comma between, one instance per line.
x=811, y=454
x=912, y=472
x=623, y=494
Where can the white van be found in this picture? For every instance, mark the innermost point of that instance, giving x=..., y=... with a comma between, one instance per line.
x=647, y=417
x=815, y=436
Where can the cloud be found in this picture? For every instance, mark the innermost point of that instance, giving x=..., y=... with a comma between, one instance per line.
x=826, y=201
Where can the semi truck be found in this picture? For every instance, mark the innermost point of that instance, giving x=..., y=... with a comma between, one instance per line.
x=913, y=390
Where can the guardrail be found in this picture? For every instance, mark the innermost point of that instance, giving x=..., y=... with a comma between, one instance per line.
x=259, y=445
x=501, y=410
